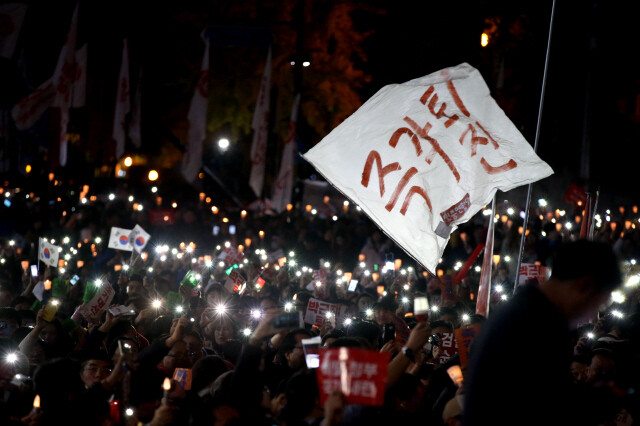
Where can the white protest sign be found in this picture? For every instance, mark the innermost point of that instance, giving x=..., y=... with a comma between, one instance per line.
x=101, y=301
x=424, y=156
x=530, y=271
x=317, y=311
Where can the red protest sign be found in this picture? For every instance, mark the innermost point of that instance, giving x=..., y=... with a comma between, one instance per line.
x=361, y=375
x=576, y=195
x=530, y=271
x=463, y=337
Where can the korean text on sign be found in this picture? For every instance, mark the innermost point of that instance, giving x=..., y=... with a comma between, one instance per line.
x=422, y=157
x=317, y=311
x=361, y=375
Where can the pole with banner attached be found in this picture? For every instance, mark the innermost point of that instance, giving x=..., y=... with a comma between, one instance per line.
x=535, y=147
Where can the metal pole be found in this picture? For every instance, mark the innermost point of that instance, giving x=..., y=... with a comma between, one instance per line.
x=535, y=146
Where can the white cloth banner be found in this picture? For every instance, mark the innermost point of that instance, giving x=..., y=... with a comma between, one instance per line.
x=63, y=77
x=11, y=19
x=135, y=126
x=26, y=112
x=192, y=159
x=139, y=238
x=123, y=103
x=284, y=183
x=424, y=156
x=79, y=88
x=260, y=126
x=48, y=253
x=119, y=239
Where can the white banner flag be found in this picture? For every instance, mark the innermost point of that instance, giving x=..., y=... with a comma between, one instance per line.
x=119, y=239
x=79, y=87
x=284, y=184
x=48, y=253
x=101, y=301
x=54, y=92
x=139, y=238
x=192, y=159
x=11, y=19
x=424, y=156
x=123, y=103
x=260, y=126
x=63, y=77
x=135, y=126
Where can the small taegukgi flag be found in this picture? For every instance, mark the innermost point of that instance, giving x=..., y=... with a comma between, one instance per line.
x=120, y=239
x=139, y=238
x=48, y=253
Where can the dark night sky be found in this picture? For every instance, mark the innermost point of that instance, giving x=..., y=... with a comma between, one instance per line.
x=417, y=38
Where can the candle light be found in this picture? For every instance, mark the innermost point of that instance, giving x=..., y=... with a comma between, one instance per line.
x=166, y=386
x=289, y=207
x=47, y=285
x=261, y=234
x=36, y=404
x=247, y=242
x=243, y=214
x=25, y=265
x=496, y=258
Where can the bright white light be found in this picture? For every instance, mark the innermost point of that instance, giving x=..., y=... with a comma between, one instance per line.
x=298, y=274
x=504, y=297
x=618, y=296
x=542, y=202
x=221, y=309
x=314, y=211
x=62, y=270
x=208, y=263
x=499, y=288
x=346, y=203
x=335, y=218
x=65, y=240
x=590, y=335
x=140, y=207
x=329, y=314
x=156, y=303
x=617, y=314
x=97, y=282
x=154, y=189
x=465, y=317
x=125, y=267
x=369, y=312
x=130, y=198
x=403, y=272
x=246, y=332
x=112, y=197
x=363, y=265
x=522, y=215
x=12, y=357
x=405, y=300
x=179, y=309
x=288, y=306
x=150, y=269
x=194, y=260
x=128, y=412
x=318, y=283
x=435, y=308
x=544, y=234
x=487, y=212
x=227, y=244
x=327, y=265
x=633, y=281
x=348, y=321
x=358, y=208
x=367, y=273
x=477, y=269
x=163, y=258
x=256, y=314
x=507, y=258
x=406, y=287
x=223, y=143
x=568, y=225
x=98, y=240
x=221, y=264
x=510, y=211
x=632, y=261
x=292, y=262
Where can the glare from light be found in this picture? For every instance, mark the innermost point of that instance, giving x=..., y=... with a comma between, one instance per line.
x=288, y=306
x=256, y=314
x=633, y=281
x=129, y=412
x=179, y=309
x=465, y=317
x=542, y=202
x=369, y=312
x=12, y=357
x=153, y=175
x=499, y=288
x=223, y=144
x=405, y=300
x=348, y=321
x=617, y=314
x=156, y=303
x=510, y=211
x=504, y=297
x=246, y=332
x=154, y=189
x=618, y=296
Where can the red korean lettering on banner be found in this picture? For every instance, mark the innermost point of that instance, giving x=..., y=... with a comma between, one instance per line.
x=448, y=347
x=415, y=133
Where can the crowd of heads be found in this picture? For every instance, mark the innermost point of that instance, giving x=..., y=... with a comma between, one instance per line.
x=111, y=368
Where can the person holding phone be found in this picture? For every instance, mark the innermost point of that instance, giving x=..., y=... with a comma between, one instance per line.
x=384, y=312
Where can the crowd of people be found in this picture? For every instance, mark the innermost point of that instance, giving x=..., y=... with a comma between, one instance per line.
x=173, y=311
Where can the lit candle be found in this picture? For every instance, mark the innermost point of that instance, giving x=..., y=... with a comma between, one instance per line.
x=243, y=214
x=261, y=234
x=166, y=386
x=47, y=285
x=25, y=265
x=36, y=404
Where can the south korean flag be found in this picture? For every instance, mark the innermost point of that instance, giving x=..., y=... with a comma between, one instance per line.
x=139, y=238
x=119, y=239
x=48, y=253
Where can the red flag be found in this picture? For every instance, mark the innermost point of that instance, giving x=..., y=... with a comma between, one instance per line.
x=474, y=255
x=260, y=127
x=123, y=102
x=484, y=291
